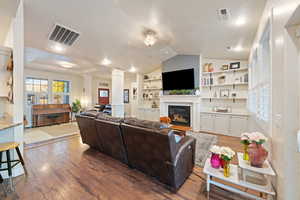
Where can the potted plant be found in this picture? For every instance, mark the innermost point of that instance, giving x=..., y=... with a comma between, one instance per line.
x=76, y=107
x=226, y=155
x=257, y=153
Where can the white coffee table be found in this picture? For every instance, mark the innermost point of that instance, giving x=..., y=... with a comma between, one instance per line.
x=236, y=179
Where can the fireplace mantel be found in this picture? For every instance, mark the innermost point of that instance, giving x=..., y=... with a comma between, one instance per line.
x=187, y=100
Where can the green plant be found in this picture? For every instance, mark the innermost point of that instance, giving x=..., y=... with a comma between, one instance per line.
x=76, y=106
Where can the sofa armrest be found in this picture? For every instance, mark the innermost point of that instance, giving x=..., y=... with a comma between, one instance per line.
x=186, y=145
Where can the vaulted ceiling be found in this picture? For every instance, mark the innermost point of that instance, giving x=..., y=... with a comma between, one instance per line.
x=114, y=29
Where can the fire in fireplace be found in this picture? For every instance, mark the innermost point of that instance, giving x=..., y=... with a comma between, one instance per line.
x=180, y=115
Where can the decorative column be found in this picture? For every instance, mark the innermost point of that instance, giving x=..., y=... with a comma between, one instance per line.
x=117, y=87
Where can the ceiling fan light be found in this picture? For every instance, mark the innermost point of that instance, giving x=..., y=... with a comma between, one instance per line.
x=150, y=40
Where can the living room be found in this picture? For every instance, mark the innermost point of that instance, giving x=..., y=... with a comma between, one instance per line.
x=146, y=100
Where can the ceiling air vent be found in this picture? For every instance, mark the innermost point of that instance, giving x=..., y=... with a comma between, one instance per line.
x=63, y=35
x=223, y=14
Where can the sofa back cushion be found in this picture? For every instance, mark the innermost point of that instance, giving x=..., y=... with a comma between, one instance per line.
x=145, y=123
x=103, y=116
x=110, y=136
x=88, y=131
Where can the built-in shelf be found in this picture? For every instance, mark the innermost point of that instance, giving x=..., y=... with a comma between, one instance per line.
x=225, y=113
x=225, y=98
x=152, y=89
x=225, y=71
x=150, y=80
x=223, y=85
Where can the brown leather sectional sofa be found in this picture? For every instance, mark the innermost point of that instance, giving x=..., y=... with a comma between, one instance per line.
x=143, y=145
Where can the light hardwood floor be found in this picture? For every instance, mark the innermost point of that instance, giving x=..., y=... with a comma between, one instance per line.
x=67, y=169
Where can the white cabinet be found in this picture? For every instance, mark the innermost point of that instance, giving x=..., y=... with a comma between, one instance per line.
x=207, y=122
x=238, y=125
x=226, y=124
x=222, y=124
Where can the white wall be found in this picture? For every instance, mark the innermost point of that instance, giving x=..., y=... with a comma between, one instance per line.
x=284, y=94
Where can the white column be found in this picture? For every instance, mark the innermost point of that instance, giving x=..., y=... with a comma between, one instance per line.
x=87, y=91
x=117, y=87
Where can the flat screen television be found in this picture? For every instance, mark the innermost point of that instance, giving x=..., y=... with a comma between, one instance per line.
x=178, y=80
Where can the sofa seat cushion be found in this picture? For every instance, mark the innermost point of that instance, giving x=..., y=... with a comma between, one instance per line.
x=145, y=123
x=103, y=116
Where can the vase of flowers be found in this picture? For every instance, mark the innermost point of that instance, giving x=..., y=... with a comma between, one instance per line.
x=245, y=140
x=215, y=160
x=257, y=153
x=226, y=155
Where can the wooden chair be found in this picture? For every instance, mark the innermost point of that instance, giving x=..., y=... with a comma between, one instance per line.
x=7, y=147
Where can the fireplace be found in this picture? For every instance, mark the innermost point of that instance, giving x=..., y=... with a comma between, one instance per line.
x=180, y=115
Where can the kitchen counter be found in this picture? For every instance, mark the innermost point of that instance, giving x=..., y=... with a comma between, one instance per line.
x=6, y=123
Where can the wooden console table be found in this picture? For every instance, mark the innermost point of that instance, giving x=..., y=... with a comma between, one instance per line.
x=49, y=114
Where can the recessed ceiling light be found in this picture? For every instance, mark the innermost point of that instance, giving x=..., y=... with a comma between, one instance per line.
x=106, y=61
x=65, y=64
x=237, y=48
x=240, y=21
x=132, y=69
x=58, y=48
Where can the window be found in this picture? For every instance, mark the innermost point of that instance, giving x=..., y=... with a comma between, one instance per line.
x=37, y=91
x=260, y=70
x=61, y=92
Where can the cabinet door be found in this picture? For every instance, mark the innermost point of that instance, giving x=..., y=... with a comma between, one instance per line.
x=207, y=122
x=222, y=124
x=238, y=125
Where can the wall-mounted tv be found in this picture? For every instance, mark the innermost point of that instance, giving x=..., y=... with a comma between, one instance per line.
x=178, y=80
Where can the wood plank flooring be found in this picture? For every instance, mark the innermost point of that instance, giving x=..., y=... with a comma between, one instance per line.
x=69, y=170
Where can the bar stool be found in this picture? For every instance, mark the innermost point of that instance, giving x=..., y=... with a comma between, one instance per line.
x=6, y=147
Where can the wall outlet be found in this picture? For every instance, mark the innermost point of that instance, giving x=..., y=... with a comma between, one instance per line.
x=298, y=139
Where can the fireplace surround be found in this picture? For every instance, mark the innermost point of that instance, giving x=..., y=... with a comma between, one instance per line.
x=192, y=101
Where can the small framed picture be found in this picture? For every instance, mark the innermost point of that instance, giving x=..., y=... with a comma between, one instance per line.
x=126, y=95
x=224, y=93
x=235, y=65
x=233, y=94
x=225, y=67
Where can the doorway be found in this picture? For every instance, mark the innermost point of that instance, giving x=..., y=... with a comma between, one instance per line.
x=103, y=96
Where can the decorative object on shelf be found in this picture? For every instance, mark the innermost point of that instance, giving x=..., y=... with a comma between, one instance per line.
x=233, y=94
x=134, y=93
x=205, y=67
x=224, y=93
x=221, y=79
x=146, y=77
x=221, y=109
x=210, y=67
x=235, y=65
x=257, y=153
x=245, y=140
x=126, y=95
x=225, y=67
x=215, y=159
x=226, y=155
x=154, y=105
x=246, y=78
x=215, y=94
